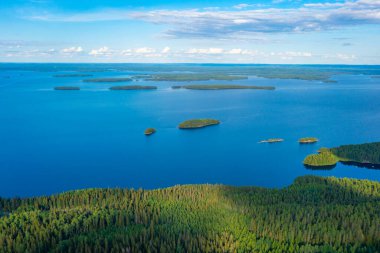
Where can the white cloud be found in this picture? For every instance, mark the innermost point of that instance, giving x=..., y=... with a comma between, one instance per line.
x=204, y=51
x=235, y=51
x=295, y=54
x=241, y=6
x=103, y=51
x=165, y=50
x=232, y=24
x=340, y=56
x=240, y=22
x=145, y=50
x=71, y=50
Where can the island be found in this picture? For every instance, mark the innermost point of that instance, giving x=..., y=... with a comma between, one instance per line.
x=366, y=155
x=66, y=88
x=133, y=87
x=307, y=140
x=324, y=158
x=312, y=214
x=108, y=80
x=198, y=123
x=149, y=131
x=222, y=87
x=272, y=140
x=72, y=75
x=188, y=77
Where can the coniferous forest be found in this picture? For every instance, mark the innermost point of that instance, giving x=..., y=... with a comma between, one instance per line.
x=314, y=214
x=363, y=153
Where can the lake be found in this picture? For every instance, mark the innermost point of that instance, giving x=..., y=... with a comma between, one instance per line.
x=54, y=141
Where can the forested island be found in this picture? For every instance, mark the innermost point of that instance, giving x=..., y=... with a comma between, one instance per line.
x=133, y=87
x=272, y=140
x=149, y=131
x=66, y=88
x=108, y=80
x=198, y=123
x=308, y=140
x=72, y=75
x=222, y=87
x=366, y=154
x=187, y=77
x=314, y=214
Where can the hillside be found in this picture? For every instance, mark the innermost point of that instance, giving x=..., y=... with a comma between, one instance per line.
x=314, y=214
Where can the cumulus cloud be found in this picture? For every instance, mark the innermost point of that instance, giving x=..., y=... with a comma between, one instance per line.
x=240, y=21
x=224, y=24
x=103, y=51
x=235, y=51
x=145, y=50
x=165, y=50
x=340, y=56
x=212, y=54
x=71, y=50
x=205, y=51
x=241, y=6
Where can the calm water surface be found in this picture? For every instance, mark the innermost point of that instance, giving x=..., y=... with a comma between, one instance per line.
x=53, y=141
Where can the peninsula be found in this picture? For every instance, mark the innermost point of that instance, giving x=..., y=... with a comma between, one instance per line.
x=367, y=154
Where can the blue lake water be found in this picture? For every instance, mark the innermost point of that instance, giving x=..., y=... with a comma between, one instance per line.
x=53, y=141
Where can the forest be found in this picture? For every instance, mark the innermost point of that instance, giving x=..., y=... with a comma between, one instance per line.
x=314, y=214
x=367, y=153
x=362, y=153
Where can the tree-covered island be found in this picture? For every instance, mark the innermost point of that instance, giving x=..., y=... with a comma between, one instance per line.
x=222, y=87
x=149, y=131
x=133, y=87
x=307, y=140
x=188, y=77
x=272, y=140
x=366, y=154
x=66, y=88
x=108, y=80
x=72, y=75
x=198, y=123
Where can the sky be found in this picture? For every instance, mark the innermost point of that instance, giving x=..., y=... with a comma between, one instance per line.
x=197, y=31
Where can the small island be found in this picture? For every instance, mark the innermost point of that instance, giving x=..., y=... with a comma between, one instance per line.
x=324, y=158
x=222, y=87
x=308, y=140
x=365, y=155
x=108, y=80
x=198, y=123
x=272, y=140
x=66, y=88
x=72, y=75
x=133, y=87
x=149, y=131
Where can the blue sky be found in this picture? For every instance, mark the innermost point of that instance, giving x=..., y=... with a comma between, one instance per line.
x=275, y=31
